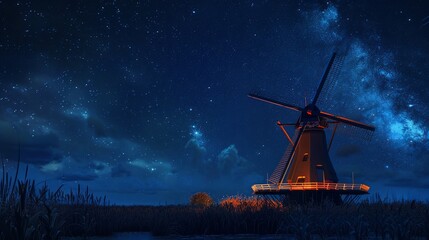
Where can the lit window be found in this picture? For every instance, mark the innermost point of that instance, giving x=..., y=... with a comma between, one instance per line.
x=305, y=158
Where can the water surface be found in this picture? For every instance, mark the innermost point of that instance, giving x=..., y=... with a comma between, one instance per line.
x=148, y=236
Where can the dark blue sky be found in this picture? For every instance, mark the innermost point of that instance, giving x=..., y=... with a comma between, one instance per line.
x=145, y=101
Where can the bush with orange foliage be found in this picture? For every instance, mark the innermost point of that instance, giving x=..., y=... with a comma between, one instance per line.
x=201, y=199
x=241, y=203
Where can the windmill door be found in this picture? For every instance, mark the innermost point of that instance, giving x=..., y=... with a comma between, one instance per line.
x=320, y=173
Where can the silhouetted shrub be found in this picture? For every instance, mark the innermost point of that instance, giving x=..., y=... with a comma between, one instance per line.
x=201, y=199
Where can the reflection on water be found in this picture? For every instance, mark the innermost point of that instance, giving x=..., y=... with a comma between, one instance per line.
x=121, y=236
x=148, y=236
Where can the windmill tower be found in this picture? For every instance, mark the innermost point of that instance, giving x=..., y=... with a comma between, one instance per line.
x=305, y=172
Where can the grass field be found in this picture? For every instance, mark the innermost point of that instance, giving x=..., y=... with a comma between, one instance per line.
x=30, y=213
x=375, y=218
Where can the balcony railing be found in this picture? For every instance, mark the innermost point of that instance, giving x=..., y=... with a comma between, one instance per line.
x=310, y=186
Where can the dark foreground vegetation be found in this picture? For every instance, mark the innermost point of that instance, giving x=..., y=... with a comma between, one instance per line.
x=384, y=220
x=30, y=213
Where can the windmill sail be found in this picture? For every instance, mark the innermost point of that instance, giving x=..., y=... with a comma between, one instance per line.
x=347, y=121
x=281, y=166
x=331, y=83
x=325, y=76
x=355, y=132
x=275, y=102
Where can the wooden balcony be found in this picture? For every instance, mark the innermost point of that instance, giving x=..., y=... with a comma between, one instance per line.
x=342, y=188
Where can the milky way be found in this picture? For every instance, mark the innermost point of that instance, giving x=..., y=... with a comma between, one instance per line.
x=145, y=102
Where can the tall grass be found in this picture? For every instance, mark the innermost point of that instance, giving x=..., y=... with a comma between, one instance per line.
x=27, y=212
x=22, y=215
x=368, y=219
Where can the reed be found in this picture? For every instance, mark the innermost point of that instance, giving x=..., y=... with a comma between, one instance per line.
x=27, y=212
x=397, y=219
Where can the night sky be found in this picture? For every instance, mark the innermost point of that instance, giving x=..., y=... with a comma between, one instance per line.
x=146, y=101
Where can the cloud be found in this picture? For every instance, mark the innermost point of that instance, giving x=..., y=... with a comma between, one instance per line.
x=158, y=168
x=39, y=155
x=100, y=168
x=34, y=149
x=97, y=126
x=77, y=177
x=195, y=152
x=53, y=166
x=38, y=143
x=373, y=84
x=229, y=160
x=120, y=171
x=143, y=169
x=64, y=169
x=324, y=24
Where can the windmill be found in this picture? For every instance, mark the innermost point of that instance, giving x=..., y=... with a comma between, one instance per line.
x=305, y=172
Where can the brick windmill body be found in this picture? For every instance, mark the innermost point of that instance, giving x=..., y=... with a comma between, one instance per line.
x=305, y=172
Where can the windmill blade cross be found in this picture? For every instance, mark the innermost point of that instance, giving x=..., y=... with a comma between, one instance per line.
x=325, y=75
x=275, y=102
x=347, y=121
